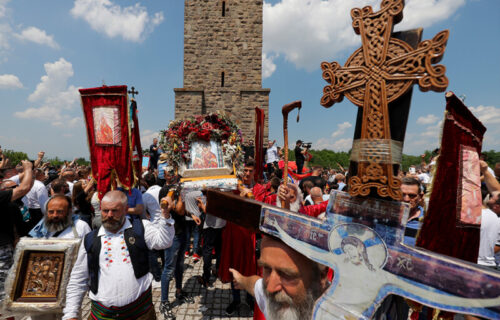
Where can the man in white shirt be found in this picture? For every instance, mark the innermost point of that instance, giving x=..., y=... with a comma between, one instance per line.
x=490, y=229
x=113, y=263
x=290, y=282
x=58, y=222
x=150, y=198
x=272, y=156
x=152, y=210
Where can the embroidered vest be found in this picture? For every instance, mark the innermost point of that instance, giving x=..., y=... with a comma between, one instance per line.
x=136, y=245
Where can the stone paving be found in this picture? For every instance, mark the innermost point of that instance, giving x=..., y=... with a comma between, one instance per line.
x=208, y=303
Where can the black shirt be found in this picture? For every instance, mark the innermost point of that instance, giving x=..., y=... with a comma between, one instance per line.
x=153, y=154
x=249, y=151
x=8, y=211
x=299, y=157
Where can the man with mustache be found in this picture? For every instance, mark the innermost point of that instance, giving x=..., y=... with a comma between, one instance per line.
x=113, y=263
x=59, y=221
x=290, y=282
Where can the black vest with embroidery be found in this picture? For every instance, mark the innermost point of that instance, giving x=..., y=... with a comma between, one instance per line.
x=136, y=245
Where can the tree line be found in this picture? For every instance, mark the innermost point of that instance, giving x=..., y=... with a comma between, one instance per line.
x=330, y=159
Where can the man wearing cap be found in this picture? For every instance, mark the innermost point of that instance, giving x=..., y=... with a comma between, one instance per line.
x=162, y=169
x=299, y=156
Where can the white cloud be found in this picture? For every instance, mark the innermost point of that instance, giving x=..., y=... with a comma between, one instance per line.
x=336, y=145
x=341, y=128
x=5, y=32
x=428, y=119
x=38, y=36
x=487, y=114
x=424, y=13
x=3, y=8
x=55, y=97
x=268, y=66
x=147, y=137
x=309, y=32
x=10, y=81
x=333, y=142
x=131, y=23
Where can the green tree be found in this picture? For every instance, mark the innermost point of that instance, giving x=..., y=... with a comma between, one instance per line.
x=15, y=156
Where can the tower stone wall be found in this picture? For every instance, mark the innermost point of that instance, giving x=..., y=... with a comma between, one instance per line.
x=223, y=61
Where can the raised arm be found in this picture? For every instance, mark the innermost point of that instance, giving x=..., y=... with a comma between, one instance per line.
x=26, y=181
x=490, y=181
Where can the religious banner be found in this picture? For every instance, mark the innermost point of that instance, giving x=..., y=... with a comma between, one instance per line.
x=259, y=143
x=39, y=276
x=107, y=118
x=457, y=172
x=204, y=150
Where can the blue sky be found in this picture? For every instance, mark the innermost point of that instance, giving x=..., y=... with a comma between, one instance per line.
x=49, y=49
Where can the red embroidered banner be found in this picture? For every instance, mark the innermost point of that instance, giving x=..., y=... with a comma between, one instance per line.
x=443, y=230
x=109, y=136
x=259, y=143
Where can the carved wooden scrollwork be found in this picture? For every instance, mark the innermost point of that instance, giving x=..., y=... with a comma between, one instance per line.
x=379, y=72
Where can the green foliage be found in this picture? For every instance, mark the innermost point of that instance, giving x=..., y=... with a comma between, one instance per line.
x=492, y=157
x=15, y=156
x=329, y=158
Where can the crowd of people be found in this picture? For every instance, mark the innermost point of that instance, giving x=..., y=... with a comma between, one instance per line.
x=138, y=239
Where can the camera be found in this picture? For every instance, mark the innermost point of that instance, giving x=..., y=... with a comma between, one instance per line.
x=307, y=145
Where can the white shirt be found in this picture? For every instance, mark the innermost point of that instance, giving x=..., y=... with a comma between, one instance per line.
x=36, y=197
x=70, y=184
x=490, y=227
x=118, y=285
x=81, y=227
x=151, y=203
x=424, y=178
x=272, y=154
x=260, y=296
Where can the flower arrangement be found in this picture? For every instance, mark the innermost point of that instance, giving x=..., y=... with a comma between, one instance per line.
x=176, y=140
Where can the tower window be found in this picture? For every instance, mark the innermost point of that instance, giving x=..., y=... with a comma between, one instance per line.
x=223, y=8
x=222, y=79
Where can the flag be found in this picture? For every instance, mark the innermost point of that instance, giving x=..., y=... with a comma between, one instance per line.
x=109, y=134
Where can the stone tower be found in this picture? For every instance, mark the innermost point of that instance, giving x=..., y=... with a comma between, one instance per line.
x=223, y=61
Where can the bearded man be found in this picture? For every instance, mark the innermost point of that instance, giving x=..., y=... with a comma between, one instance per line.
x=290, y=282
x=59, y=221
x=113, y=263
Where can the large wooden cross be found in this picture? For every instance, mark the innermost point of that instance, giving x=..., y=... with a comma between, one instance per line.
x=379, y=72
x=362, y=237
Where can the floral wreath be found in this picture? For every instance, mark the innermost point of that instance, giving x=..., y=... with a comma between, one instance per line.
x=176, y=140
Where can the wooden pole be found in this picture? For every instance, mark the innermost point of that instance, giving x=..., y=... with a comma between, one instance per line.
x=285, y=111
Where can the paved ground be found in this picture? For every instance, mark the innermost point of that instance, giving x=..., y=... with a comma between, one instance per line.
x=208, y=303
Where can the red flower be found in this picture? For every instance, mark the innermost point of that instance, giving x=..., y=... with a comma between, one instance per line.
x=204, y=135
x=207, y=126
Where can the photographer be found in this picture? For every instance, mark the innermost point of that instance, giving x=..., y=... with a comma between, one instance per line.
x=299, y=155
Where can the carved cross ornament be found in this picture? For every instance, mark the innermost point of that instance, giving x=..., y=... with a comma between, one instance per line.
x=379, y=72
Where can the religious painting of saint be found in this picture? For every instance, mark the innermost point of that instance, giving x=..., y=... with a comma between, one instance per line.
x=39, y=275
x=206, y=155
x=107, y=125
x=43, y=275
x=469, y=193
